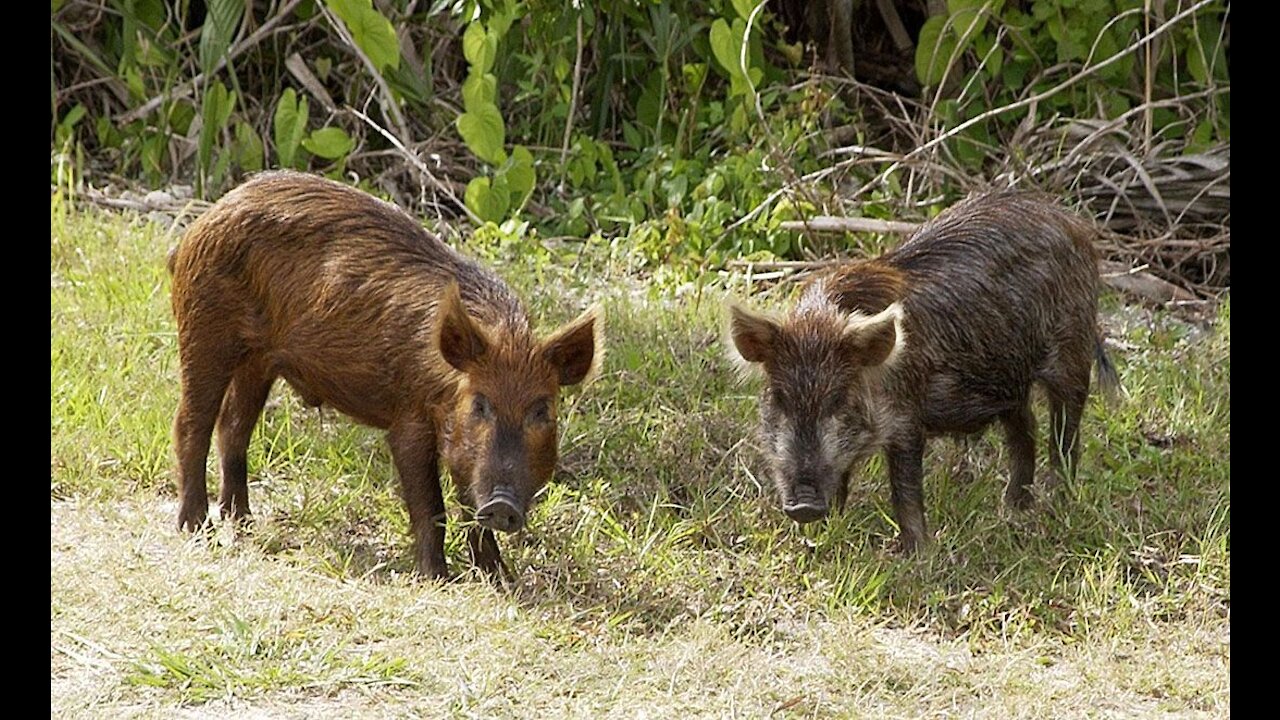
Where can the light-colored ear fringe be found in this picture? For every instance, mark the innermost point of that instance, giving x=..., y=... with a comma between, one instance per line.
x=859, y=321
x=746, y=370
x=596, y=311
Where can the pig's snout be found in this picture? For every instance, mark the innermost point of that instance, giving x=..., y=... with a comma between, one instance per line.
x=503, y=511
x=806, y=504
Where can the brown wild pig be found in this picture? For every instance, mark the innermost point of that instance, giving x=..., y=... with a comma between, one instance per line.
x=944, y=334
x=358, y=307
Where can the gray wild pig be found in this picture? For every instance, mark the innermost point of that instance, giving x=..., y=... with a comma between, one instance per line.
x=358, y=307
x=945, y=334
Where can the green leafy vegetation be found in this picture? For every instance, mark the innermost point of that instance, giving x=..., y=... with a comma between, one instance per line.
x=690, y=131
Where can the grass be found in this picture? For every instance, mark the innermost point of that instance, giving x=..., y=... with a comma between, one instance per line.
x=658, y=577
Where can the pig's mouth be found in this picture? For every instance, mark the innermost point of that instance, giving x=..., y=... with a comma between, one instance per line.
x=806, y=504
x=503, y=511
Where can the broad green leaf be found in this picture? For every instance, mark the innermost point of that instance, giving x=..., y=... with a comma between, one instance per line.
x=479, y=89
x=67, y=126
x=220, y=24
x=215, y=110
x=1205, y=55
x=483, y=132
x=181, y=114
x=970, y=16
x=219, y=170
x=1116, y=104
x=371, y=31
x=503, y=15
x=1015, y=72
x=520, y=173
x=479, y=47
x=631, y=134
x=744, y=8
x=1210, y=32
x=724, y=47
x=934, y=50
x=989, y=52
x=1196, y=64
x=329, y=143
x=1201, y=137
x=249, y=153
x=486, y=201
x=133, y=79
x=289, y=125
x=106, y=133
x=306, y=10
x=153, y=152
x=1105, y=48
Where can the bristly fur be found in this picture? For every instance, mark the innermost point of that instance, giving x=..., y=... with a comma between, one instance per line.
x=358, y=307
x=994, y=296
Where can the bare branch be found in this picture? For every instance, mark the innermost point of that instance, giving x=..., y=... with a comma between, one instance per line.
x=389, y=105
x=417, y=163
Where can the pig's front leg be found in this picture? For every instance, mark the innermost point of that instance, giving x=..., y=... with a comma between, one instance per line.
x=906, y=489
x=413, y=448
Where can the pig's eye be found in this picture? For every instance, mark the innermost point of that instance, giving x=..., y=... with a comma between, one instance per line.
x=481, y=407
x=540, y=412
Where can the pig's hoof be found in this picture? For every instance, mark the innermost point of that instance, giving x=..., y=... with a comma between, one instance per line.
x=1019, y=497
x=195, y=522
x=231, y=513
x=908, y=545
x=437, y=571
x=440, y=576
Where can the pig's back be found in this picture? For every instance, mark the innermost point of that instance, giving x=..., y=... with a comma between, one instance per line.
x=997, y=289
x=335, y=290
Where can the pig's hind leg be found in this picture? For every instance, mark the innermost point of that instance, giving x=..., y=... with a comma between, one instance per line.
x=1068, y=390
x=1020, y=436
x=241, y=408
x=1066, y=405
x=206, y=372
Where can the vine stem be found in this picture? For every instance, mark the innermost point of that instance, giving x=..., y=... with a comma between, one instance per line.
x=573, y=100
x=417, y=163
x=389, y=104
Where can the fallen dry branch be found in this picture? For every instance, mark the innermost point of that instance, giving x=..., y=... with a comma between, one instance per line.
x=828, y=224
x=155, y=201
x=1134, y=281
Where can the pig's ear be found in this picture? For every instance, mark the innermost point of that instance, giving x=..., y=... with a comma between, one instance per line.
x=752, y=335
x=876, y=340
x=577, y=349
x=461, y=341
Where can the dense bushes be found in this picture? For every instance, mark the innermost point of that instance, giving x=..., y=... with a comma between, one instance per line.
x=690, y=128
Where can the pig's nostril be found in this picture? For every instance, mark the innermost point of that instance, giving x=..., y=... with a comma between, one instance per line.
x=805, y=505
x=806, y=512
x=501, y=513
